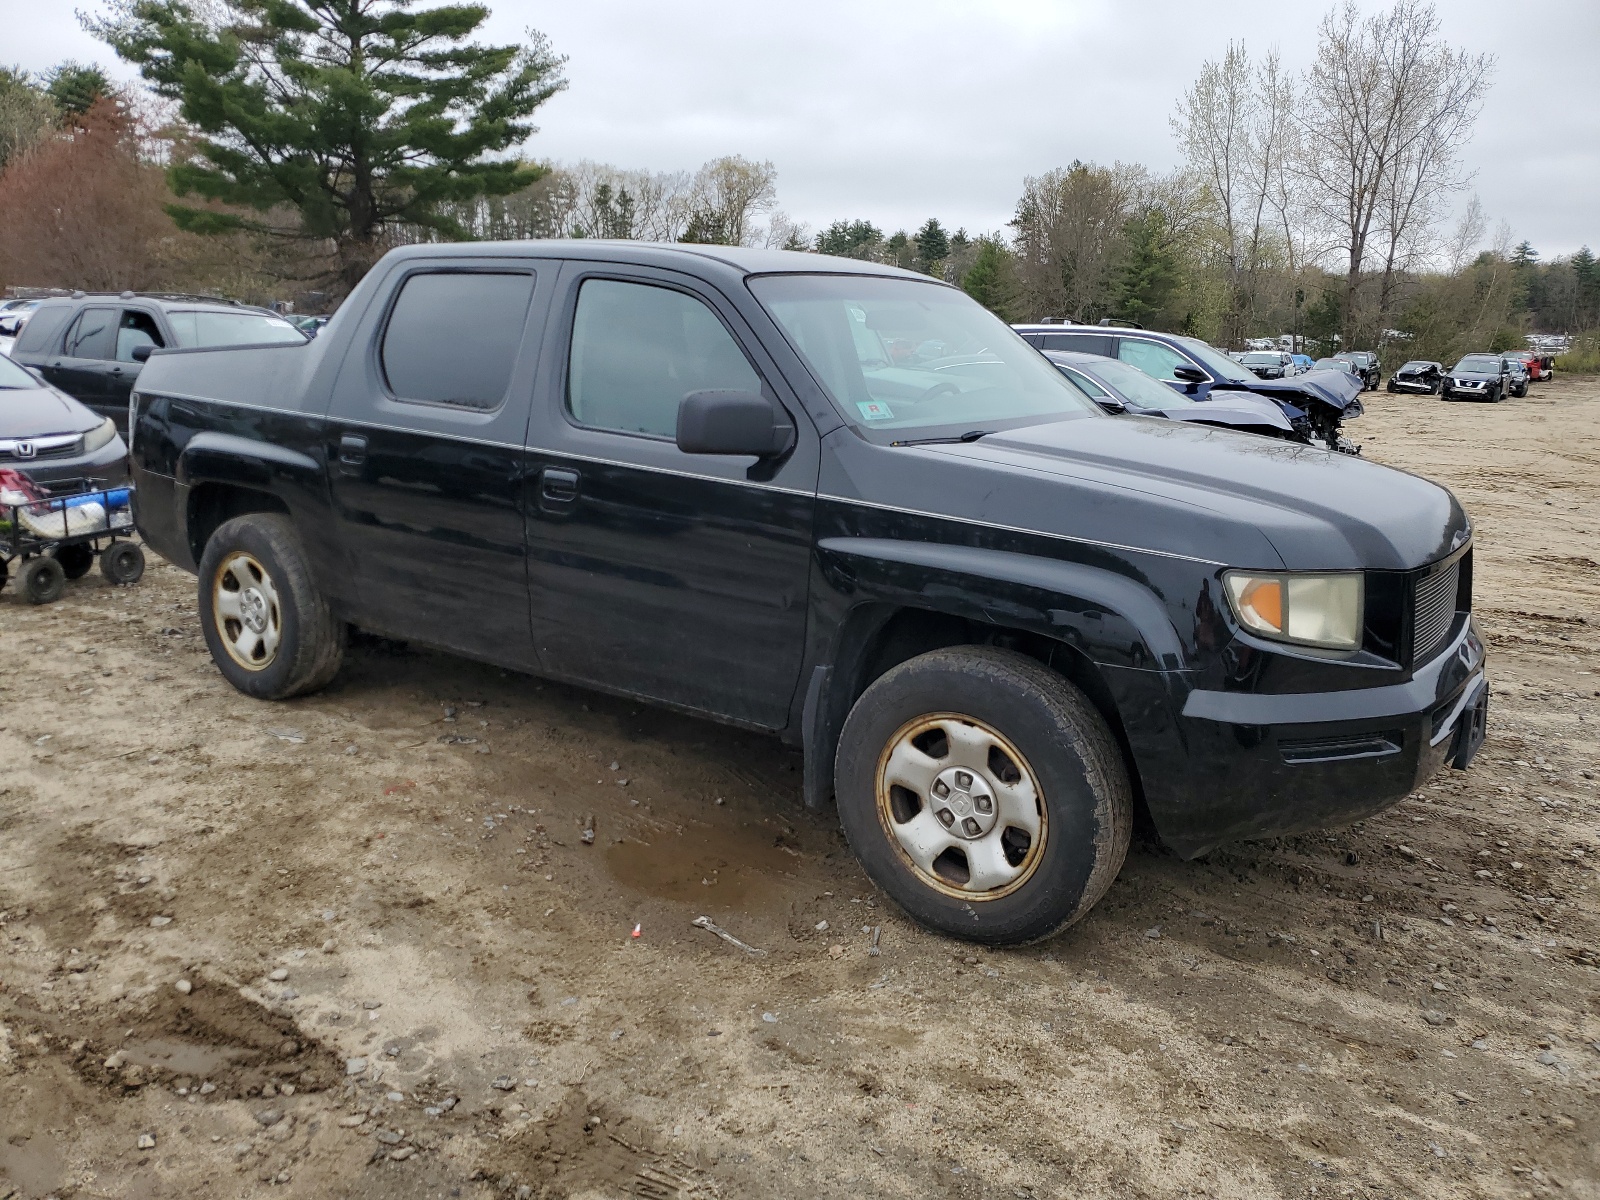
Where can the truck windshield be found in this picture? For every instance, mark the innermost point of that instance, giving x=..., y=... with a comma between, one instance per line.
x=896, y=354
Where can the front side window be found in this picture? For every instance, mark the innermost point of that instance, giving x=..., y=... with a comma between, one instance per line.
x=1154, y=359
x=94, y=335
x=898, y=355
x=453, y=338
x=638, y=349
x=136, y=329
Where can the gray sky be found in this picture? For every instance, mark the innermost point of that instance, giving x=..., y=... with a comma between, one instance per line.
x=895, y=110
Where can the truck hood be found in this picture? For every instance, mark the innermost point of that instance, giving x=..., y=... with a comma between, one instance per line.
x=1177, y=487
x=39, y=412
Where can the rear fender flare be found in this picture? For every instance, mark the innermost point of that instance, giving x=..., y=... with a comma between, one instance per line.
x=212, y=457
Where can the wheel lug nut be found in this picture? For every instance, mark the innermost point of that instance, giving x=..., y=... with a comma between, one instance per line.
x=941, y=788
x=963, y=780
x=946, y=817
x=983, y=804
x=973, y=829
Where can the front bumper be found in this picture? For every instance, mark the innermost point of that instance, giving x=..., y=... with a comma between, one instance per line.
x=1231, y=766
x=106, y=468
x=1411, y=385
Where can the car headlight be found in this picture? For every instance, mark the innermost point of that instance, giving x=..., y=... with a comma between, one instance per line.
x=100, y=436
x=1311, y=610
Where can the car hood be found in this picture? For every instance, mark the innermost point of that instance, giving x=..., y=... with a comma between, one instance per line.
x=38, y=412
x=1193, y=491
x=1339, y=390
x=1244, y=412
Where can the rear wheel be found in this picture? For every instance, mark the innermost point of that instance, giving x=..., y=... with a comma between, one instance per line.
x=984, y=794
x=41, y=580
x=269, y=631
x=75, y=559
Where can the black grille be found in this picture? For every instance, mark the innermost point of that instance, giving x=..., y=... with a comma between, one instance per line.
x=1434, y=610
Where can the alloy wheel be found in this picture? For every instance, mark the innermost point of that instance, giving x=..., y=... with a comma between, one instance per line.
x=249, y=617
x=962, y=806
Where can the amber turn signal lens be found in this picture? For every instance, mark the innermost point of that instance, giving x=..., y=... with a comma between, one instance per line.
x=1262, y=599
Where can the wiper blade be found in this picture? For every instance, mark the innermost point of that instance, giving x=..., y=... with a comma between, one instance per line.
x=970, y=435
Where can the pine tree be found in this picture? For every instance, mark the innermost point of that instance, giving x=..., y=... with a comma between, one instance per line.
x=992, y=279
x=75, y=87
x=1150, y=272
x=359, y=114
x=849, y=239
x=933, y=246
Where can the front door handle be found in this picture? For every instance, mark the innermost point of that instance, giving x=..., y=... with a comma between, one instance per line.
x=352, y=453
x=558, y=485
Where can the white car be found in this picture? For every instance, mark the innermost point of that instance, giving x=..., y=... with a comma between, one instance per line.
x=13, y=315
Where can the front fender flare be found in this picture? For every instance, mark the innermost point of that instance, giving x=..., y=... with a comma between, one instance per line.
x=1109, y=617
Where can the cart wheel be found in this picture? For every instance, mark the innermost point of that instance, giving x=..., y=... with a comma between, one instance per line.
x=75, y=560
x=41, y=580
x=122, y=562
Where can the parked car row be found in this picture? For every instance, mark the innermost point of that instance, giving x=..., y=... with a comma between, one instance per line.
x=1316, y=405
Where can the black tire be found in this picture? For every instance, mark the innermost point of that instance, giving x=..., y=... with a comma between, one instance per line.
x=1069, y=762
x=257, y=559
x=75, y=559
x=122, y=562
x=1392, y=388
x=1492, y=395
x=41, y=580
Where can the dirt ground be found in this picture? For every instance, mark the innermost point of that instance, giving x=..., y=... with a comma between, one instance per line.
x=356, y=945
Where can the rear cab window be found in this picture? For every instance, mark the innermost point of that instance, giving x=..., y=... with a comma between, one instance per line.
x=453, y=337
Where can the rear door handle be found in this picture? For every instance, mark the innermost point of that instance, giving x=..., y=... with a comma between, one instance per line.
x=558, y=485
x=352, y=452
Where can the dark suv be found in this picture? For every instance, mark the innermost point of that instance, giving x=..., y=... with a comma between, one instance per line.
x=93, y=345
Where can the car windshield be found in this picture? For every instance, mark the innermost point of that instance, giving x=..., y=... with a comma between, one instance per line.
x=1416, y=366
x=1213, y=360
x=1133, y=385
x=1261, y=360
x=898, y=355
x=13, y=377
x=1330, y=364
x=198, y=328
x=1479, y=362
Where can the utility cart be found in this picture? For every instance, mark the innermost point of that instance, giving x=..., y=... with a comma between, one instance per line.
x=52, y=533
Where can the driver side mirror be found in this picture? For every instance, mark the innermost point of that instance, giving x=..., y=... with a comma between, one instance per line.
x=142, y=353
x=726, y=421
x=1189, y=374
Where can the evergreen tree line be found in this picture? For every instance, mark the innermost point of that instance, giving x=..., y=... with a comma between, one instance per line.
x=280, y=146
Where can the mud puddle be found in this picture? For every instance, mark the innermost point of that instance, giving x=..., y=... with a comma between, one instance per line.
x=705, y=865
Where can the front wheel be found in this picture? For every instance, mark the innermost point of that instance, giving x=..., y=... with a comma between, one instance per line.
x=270, y=632
x=42, y=580
x=984, y=794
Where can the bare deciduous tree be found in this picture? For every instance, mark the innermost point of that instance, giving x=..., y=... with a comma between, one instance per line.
x=1387, y=107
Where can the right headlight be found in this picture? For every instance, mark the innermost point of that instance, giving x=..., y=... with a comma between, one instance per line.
x=1309, y=610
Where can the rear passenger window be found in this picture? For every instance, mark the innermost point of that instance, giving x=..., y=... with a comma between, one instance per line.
x=453, y=338
x=637, y=350
x=94, y=334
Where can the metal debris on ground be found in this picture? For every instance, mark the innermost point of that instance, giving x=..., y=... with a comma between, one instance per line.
x=711, y=926
x=873, y=949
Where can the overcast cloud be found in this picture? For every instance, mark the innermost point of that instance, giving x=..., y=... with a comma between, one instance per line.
x=895, y=111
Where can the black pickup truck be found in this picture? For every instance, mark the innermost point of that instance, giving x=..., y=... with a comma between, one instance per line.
x=844, y=504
